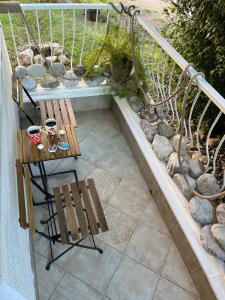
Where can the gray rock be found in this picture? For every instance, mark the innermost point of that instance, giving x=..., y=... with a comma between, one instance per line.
x=70, y=83
x=136, y=103
x=21, y=72
x=38, y=59
x=57, y=51
x=173, y=165
x=160, y=112
x=29, y=83
x=196, y=168
x=165, y=129
x=207, y=184
x=183, y=186
x=95, y=81
x=63, y=60
x=148, y=113
x=45, y=49
x=175, y=142
x=149, y=130
x=218, y=232
x=49, y=82
x=201, y=210
x=162, y=147
x=26, y=57
x=57, y=69
x=79, y=70
x=220, y=213
x=36, y=70
x=210, y=244
x=52, y=59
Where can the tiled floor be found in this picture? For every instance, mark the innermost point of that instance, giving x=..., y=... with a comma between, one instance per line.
x=140, y=261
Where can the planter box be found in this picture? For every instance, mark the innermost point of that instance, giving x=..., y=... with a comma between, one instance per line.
x=206, y=271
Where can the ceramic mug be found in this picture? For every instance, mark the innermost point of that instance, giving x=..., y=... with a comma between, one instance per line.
x=50, y=124
x=34, y=134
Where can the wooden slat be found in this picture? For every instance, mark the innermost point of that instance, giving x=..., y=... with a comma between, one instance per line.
x=25, y=142
x=64, y=112
x=61, y=216
x=20, y=145
x=21, y=195
x=57, y=113
x=43, y=112
x=50, y=112
x=89, y=208
x=74, y=134
x=97, y=204
x=79, y=210
x=70, y=213
x=30, y=209
x=71, y=113
x=70, y=141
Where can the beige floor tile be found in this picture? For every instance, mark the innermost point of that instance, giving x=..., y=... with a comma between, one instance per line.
x=85, y=125
x=71, y=288
x=134, y=176
x=93, y=268
x=132, y=282
x=47, y=280
x=151, y=216
x=149, y=247
x=106, y=183
x=121, y=227
x=176, y=271
x=166, y=290
x=105, y=133
x=130, y=199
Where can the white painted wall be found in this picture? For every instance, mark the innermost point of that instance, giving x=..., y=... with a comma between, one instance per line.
x=16, y=275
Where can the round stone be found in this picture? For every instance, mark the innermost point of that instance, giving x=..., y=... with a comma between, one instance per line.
x=201, y=210
x=96, y=81
x=175, y=142
x=79, y=70
x=36, y=70
x=220, y=213
x=162, y=147
x=149, y=130
x=181, y=183
x=29, y=83
x=210, y=244
x=49, y=82
x=207, y=184
x=57, y=69
x=160, y=112
x=21, y=72
x=218, y=232
x=73, y=82
x=165, y=129
x=136, y=103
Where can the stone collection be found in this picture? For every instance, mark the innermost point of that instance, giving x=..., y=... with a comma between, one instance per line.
x=195, y=170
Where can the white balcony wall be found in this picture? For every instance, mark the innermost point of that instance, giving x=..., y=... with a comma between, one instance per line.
x=16, y=276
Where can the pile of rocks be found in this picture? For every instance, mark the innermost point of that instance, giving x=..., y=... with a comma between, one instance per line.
x=165, y=144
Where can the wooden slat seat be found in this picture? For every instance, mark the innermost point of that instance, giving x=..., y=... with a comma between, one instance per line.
x=61, y=110
x=80, y=212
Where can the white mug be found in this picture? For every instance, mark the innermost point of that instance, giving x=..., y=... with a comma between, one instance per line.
x=49, y=124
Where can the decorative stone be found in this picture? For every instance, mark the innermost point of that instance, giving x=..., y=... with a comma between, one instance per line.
x=136, y=103
x=36, y=71
x=21, y=72
x=207, y=184
x=183, y=186
x=173, y=165
x=218, y=232
x=210, y=244
x=79, y=70
x=148, y=113
x=196, y=168
x=175, y=142
x=162, y=147
x=38, y=59
x=202, y=158
x=26, y=57
x=220, y=213
x=165, y=129
x=94, y=81
x=49, y=82
x=57, y=69
x=45, y=49
x=63, y=59
x=149, y=130
x=28, y=46
x=201, y=210
x=29, y=83
x=160, y=112
x=52, y=59
x=70, y=83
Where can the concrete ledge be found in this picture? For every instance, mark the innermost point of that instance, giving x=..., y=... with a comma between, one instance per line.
x=206, y=271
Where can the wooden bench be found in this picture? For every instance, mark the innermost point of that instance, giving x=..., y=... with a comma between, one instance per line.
x=78, y=212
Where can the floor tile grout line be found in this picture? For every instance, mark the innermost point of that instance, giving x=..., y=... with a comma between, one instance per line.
x=49, y=298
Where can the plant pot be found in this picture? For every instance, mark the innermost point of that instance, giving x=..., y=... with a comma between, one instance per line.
x=91, y=14
x=121, y=71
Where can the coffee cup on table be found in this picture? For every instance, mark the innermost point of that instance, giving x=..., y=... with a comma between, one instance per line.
x=34, y=134
x=50, y=124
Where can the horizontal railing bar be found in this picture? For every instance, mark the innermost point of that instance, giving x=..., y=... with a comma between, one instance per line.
x=56, y=6
x=204, y=86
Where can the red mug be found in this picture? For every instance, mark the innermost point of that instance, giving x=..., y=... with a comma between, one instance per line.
x=34, y=134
